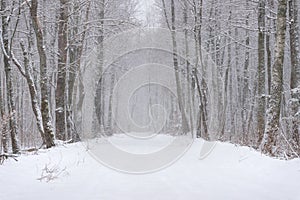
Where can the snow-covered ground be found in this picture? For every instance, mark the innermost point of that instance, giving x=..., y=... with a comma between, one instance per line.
x=229, y=172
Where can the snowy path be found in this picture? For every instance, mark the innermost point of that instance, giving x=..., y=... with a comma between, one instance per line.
x=229, y=172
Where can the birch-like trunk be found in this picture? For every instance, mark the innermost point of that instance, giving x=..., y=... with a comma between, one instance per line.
x=33, y=93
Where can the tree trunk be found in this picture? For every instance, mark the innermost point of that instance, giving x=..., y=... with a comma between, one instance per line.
x=33, y=93
x=201, y=85
x=75, y=53
x=246, y=92
x=273, y=114
x=185, y=127
x=44, y=84
x=109, y=127
x=98, y=115
x=269, y=33
x=9, y=85
x=60, y=111
x=295, y=71
x=187, y=63
x=261, y=71
x=226, y=81
x=3, y=123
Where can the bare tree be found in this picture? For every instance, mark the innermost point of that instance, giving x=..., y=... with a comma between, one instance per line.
x=44, y=82
x=76, y=44
x=261, y=71
x=33, y=92
x=271, y=23
x=185, y=127
x=3, y=120
x=9, y=82
x=195, y=82
x=60, y=111
x=187, y=63
x=272, y=130
x=295, y=69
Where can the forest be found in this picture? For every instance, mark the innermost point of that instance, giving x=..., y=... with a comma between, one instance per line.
x=149, y=99
x=248, y=96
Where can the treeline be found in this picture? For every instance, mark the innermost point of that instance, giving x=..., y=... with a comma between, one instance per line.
x=253, y=44
x=42, y=46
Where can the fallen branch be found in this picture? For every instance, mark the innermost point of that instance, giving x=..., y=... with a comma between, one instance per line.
x=6, y=156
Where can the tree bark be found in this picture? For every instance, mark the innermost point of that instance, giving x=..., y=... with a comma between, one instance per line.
x=109, y=127
x=295, y=70
x=3, y=124
x=60, y=111
x=185, y=127
x=99, y=103
x=246, y=91
x=9, y=84
x=261, y=71
x=44, y=83
x=226, y=82
x=33, y=93
x=273, y=114
x=201, y=84
x=187, y=63
x=271, y=24
x=75, y=53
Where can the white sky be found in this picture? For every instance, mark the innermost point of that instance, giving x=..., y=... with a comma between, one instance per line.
x=145, y=7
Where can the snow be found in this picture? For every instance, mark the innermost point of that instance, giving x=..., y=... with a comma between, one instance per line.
x=296, y=90
x=228, y=172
